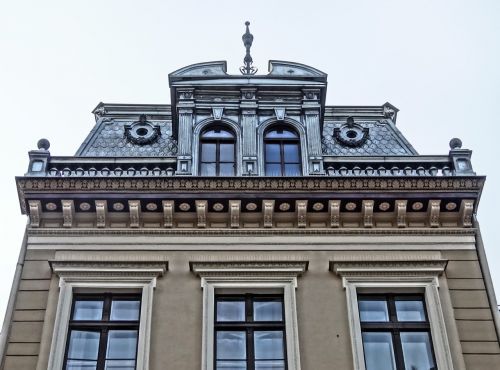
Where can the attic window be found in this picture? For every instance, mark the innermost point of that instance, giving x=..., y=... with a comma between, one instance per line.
x=351, y=134
x=142, y=132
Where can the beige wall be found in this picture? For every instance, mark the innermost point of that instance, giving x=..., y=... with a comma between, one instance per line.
x=321, y=303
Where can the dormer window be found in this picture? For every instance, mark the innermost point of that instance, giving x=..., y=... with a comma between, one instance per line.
x=282, y=152
x=217, y=152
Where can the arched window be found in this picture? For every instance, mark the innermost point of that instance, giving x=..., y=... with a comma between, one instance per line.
x=282, y=152
x=217, y=152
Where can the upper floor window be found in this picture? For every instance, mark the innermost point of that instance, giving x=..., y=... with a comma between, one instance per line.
x=217, y=152
x=103, y=332
x=282, y=152
x=249, y=332
x=396, y=332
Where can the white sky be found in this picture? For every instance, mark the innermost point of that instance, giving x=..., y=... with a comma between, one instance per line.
x=437, y=61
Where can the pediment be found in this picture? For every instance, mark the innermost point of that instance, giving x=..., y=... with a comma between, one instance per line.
x=206, y=69
x=290, y=69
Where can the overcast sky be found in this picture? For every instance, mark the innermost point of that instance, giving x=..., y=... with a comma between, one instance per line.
x=437, y=61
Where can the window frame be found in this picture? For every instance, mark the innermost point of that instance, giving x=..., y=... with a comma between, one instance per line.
x=80, y=277
x=244, y=277
x=104, y=325
x=393, y=325
x=217, y=141
x=281, y=142
x=381, y=275
x=250, y=326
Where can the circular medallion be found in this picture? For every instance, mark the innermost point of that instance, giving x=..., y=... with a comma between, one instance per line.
x=51, y=206
x=417, y=206
x=184, y=207
x=351, y=206
x=318, y=206
x=218, y=207
x=251, y=206
x=84, y=206
x=284, y=206
x=151, y=206
x=384, y=206
x=451, y=206
x=118, y=206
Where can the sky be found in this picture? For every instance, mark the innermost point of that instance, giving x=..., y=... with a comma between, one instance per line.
x=438, y=61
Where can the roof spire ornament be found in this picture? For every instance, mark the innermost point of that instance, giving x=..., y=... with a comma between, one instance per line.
x=247, y=38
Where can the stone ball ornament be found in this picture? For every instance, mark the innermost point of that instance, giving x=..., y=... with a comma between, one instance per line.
x=43, y=144
x=455, y=143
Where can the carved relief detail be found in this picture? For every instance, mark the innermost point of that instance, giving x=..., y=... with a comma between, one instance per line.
x=334, y=207
x=101, y=210
x=35, y=212
x=168, y=213
x=135, y=210
x=234, y=213
x=401, y=213
x=201, y=213
x=268, y=210
x=466, y=209
x=368, y=213
x=301, y=207
x=68, y=210
x=433, y=212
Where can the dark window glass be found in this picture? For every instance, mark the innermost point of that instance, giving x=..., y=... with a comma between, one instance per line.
x=249, y=333
x=396, y=332
x=217, y=152
x=282, y=152
x=103, y=333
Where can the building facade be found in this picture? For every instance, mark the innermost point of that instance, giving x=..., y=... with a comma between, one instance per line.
x=248, y=225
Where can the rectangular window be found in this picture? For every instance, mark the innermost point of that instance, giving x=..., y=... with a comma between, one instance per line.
x=396, y=332
x=249, y=332
x=103, y=332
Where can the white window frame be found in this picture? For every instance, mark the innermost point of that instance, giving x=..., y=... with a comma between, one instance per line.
x=399, y=277
x=249, y=276
x=103, y=277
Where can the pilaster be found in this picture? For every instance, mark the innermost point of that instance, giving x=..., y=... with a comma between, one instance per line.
x=315, y=157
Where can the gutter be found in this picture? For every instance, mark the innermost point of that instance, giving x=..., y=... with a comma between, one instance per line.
x=9, y=312
x=488, y=282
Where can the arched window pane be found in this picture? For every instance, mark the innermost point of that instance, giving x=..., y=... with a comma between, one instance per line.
x=282, y=152
x=217, y=152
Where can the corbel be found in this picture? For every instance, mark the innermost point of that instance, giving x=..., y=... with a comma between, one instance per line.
x=367, y=209
x=268, y=210
x=35, y=212
x=234, y=213
x=68, y=210
x=134, y=207
x=401, y=212
x=201, y=212
x=433, y=212
x=334, y=210
x=301, y=207
x=168, y=213
x=101, y=210
x=466, y=208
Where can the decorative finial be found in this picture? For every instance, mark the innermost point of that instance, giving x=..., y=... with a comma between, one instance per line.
x=247, y=38
x=43, y=144
x=455, y=143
